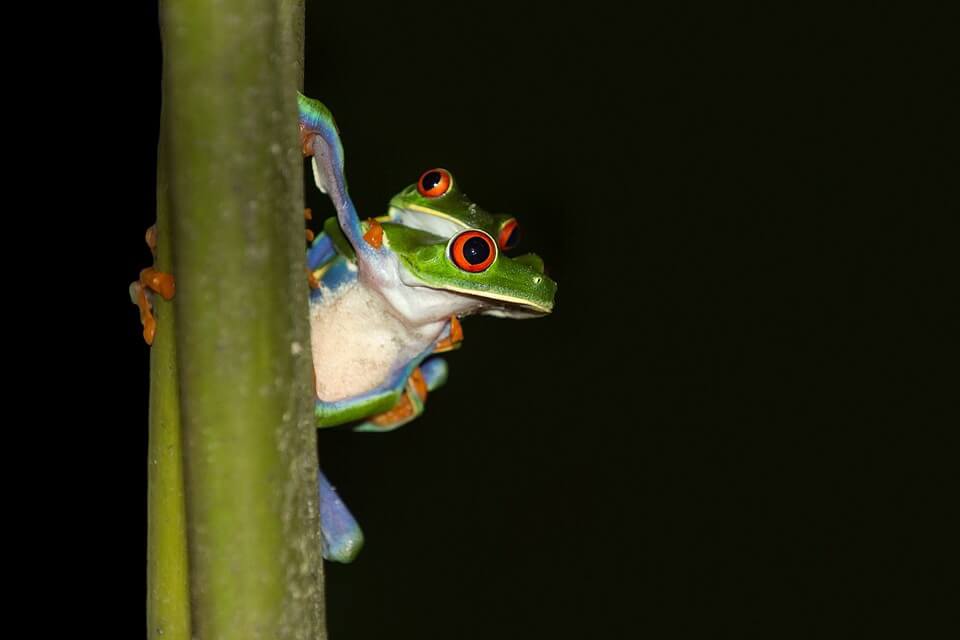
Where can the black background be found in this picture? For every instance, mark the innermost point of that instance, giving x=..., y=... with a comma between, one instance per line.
x=735, y=422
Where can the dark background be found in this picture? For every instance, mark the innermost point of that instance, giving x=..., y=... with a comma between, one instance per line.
x=735, y=422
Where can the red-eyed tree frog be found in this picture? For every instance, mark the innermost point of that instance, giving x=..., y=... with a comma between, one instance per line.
x=387, y=294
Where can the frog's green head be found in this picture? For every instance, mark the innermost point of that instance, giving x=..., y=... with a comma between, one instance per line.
x=436, y=204
x=469, y=264
x=447, y=242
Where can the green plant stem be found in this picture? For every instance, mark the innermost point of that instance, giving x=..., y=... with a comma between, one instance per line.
x=234, y=170
x=168, y=587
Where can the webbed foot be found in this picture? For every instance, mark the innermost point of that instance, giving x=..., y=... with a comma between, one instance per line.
x=407, y=408
x=151, y=280
x=374, y=234
x=429, y=376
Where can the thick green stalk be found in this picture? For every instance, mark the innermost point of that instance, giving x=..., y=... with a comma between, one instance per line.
x=234, y=171
x=168, y=587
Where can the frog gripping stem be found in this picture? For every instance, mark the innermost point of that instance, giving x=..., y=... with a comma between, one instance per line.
x=150, y=280
x=410, y=275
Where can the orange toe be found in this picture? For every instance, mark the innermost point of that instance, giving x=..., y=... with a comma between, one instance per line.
x=312, y=280
x=149, y=330
x=146, y=313
x=151, y=238
x=454, y=339
x=306, y=141
x=374, y=234
x=162, y=283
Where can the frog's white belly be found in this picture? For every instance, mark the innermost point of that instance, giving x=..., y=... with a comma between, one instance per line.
x=358, y=340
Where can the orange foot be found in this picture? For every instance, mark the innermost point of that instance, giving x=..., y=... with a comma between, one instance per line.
x=409, y=406
x=306, y=140
x=453, y=340
x=151, y=280
x=374, y=234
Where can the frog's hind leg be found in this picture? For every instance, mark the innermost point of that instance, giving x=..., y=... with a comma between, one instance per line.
x=150, y=280
x=429, y=376
x=341, y=535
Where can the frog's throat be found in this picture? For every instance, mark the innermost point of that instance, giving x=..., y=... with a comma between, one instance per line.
x=514, y=303
x=473, y=301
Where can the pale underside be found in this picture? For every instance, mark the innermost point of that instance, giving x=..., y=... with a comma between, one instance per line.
x=358, y=340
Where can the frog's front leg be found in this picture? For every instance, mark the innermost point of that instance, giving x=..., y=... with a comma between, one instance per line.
x=429, y=376
x=390, y=406
x=150, y=280
x=453, y=338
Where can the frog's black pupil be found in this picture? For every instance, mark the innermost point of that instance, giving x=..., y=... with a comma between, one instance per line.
x=476, y=250
x=431, y=180
x=512, y=238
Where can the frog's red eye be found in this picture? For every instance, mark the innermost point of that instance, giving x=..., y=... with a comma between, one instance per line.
x=434, y=183
x=509, y=234
x=473, y=250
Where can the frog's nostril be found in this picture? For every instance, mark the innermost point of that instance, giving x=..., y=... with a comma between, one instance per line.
x=537, y=280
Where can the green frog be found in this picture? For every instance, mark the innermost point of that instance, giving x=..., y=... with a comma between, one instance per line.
x=388, y=295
